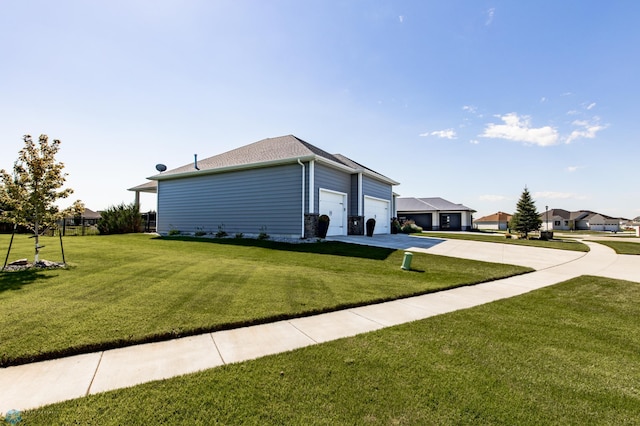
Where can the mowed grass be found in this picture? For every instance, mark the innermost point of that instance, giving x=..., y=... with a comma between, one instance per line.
x=127, y=289
x=480, y=236
x=563, y=355
x=622, y=247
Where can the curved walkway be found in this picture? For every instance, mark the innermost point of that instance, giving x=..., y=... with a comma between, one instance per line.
x=33, y=385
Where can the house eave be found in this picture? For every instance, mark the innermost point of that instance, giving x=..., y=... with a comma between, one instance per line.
x=233, y=168
x=272, y=163
x=356, y=171
x=437, y=210
x=379, y=177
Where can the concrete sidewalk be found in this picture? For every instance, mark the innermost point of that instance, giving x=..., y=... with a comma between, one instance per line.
x=33, y=385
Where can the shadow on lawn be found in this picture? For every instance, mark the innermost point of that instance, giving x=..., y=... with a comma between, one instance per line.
x=334, y=248
x=16, y=280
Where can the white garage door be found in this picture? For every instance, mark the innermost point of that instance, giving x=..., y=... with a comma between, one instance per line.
x=379, y=210
x=334, y=205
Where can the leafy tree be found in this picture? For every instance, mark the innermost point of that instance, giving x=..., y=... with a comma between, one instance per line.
x=526, y=217
x=30, y=193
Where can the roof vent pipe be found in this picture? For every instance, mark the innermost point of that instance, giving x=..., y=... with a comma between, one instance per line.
x=195, y=161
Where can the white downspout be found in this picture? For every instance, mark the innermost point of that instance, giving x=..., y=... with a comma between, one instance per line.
x=312, y=183
x=360, y=199
x=303, y=176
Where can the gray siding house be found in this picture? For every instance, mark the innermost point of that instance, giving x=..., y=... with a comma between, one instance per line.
x=435, y=214
x=279, y=186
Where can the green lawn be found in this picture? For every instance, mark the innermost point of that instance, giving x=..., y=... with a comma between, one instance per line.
x=563, y=355
x=622, y=247
x=483, y=237
x=127, y=289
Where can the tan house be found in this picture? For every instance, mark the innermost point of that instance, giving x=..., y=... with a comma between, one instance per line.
x=498, y=221
x=582, y=220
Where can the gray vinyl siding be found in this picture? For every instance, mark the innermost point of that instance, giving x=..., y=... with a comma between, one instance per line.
x=333, y=179
x=375, y=188
x=242, y=201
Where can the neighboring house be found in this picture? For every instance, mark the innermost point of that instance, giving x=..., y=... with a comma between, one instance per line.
x=279, y=186
x=89, y=217
x=582, y=220
x=497, y=221
x=435, y=214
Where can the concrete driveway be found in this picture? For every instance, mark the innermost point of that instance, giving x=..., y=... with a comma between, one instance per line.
x=532, y=257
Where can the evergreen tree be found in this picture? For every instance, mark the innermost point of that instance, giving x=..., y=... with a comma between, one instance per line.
x=526, y=217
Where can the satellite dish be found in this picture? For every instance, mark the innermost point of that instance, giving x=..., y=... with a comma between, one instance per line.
x=161, y=167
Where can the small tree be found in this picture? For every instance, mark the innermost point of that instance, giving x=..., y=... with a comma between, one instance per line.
x=526, y=217
x=30, y=193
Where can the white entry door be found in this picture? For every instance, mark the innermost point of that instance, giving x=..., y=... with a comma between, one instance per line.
x=334, y=205
x=379, y=210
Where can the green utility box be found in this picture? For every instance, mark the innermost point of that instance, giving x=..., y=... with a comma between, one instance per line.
x=406, y=262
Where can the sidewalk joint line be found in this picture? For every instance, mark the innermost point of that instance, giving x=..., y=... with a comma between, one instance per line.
x=368, y=319
x=303, y=333
x=95, y=373
x=217, y=348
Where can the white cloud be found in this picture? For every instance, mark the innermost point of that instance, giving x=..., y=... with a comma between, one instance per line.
x=586, y=130
x=401, y=19
x=474, y=141
x=444, y=134
x=519, y=129
x=470, y=108
x=491, y=197
x=572, y=169
x=591, y=106
x=543, y=99
x=552, y=195
x=490, y=13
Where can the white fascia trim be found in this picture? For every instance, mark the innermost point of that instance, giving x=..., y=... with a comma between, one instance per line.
x=190, y=173
x=363, y=171
x=261, y=164
x=379, y=177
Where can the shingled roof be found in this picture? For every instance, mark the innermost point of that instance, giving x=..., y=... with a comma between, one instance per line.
x=270, y=151
x=496, y=217
x=410, y=204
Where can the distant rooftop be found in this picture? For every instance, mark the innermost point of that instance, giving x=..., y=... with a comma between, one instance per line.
x=496, y=217
x=416, y=205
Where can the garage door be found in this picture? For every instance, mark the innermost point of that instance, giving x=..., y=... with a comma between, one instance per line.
x=334, y=204
x=379, y=210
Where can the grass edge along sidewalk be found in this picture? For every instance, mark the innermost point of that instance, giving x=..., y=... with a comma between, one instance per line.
x=130, y=289
x=564, y=354
x=621, y=247
x=564, y=244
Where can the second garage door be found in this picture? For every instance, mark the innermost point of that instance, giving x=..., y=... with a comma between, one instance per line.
x=379, y=210
x=333, y=204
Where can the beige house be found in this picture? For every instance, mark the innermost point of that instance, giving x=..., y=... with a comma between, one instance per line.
x=582, y=220
x=498, y=221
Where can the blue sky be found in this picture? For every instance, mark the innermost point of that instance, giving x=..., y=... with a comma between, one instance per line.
x=466, y=100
